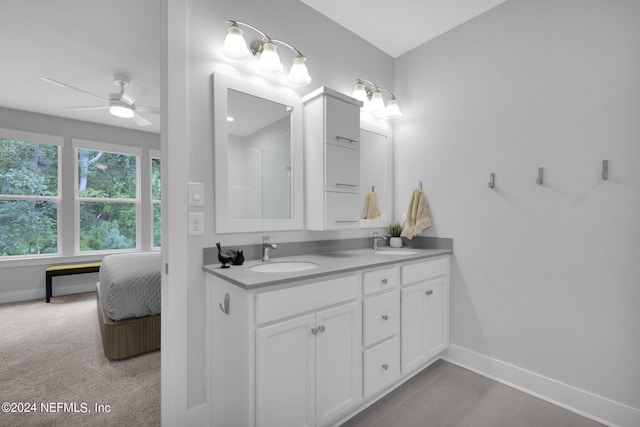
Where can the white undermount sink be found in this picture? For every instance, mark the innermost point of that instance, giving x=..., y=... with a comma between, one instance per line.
x=283, y=266
x=398, y=252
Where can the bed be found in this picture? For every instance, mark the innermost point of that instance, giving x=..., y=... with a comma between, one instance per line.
x=129, y=304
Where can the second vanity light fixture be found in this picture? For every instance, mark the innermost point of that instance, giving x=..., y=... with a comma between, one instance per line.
x=373, y=102
x=265, y=51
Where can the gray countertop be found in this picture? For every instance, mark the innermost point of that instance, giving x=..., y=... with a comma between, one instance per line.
x=328, y=264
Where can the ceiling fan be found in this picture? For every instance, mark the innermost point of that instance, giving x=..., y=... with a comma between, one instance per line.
x=120, y=104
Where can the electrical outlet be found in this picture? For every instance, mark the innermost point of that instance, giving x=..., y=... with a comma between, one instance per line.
x=196, y=223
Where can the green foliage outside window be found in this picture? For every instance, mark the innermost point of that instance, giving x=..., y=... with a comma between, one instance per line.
x=106, y=225
x=28, y=226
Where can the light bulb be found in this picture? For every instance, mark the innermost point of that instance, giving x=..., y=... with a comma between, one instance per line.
x=376, y=105
x=121, y=111
x=299, y=74
x=360, y=93
x=234, y=45
x=269, y=60
x=393, y=111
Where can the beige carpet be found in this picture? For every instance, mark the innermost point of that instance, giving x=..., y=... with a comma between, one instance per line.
x=51, y=355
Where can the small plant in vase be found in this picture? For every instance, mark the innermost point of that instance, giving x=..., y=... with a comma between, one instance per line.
x=395, y=230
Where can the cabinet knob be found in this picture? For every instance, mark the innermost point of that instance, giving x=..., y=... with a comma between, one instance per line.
x=429, y=292
x=385, y=317
x=384, y=281
x=321, y=328
x=385, y=366
x=314, y=331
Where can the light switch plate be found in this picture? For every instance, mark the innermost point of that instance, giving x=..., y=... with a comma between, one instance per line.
x=196, y=223
x=196, y=194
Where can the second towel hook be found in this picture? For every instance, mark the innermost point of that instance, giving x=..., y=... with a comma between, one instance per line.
x=492, y=180
x=540, y=179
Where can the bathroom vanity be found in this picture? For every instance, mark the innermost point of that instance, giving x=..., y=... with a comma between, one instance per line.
x=315, y=346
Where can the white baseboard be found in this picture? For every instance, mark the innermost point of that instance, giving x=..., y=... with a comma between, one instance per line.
x=31, y=294
x=582, y=402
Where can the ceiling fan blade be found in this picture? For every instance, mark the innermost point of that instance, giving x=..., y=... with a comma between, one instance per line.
x=92, y=107
x=56, y=82
x=146, y=109
x=141, y=121
x=132, y=92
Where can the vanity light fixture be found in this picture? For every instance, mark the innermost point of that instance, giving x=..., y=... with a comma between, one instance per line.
x=372, y=101
x=265, y=51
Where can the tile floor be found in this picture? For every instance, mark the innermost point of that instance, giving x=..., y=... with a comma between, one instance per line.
x=446, y=395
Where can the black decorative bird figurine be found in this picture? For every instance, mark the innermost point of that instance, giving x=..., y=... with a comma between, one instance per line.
x=239, y=258
x=225, y=257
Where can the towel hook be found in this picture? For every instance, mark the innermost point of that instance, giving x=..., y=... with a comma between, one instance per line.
x=420, y=184
x=605, y=169
x=373, y=188
x=540, y=176
x=492, y=180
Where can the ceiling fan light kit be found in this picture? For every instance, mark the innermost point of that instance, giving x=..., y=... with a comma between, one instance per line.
x=265, y=51
x=120, y=104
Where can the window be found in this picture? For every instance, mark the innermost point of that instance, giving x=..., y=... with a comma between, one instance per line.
x=156, y=197
x=29, y=193
x=107, y=199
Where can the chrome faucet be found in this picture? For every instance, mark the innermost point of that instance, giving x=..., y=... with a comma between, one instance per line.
x=266, y=248
x=374, y=239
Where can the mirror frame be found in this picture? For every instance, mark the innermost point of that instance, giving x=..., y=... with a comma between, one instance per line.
x=224, y=224
x=382, y=128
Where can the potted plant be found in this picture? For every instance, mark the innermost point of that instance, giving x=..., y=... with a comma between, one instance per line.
x=395, y=230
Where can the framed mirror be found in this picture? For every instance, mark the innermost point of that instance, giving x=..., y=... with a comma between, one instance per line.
x=258, y=157
x=376, y=170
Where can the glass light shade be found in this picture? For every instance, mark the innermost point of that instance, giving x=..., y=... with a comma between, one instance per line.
x=376, y=105
x=393, y=111
x=121, y=111
x=269, y=60
x=234, y=45
x=360, y=93
x=299, y=74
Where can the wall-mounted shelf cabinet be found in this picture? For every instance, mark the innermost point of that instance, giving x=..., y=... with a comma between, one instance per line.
x=332, y=160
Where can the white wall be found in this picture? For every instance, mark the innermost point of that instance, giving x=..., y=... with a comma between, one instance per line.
x=544, y=277
x=336, y=57
x=25, y=279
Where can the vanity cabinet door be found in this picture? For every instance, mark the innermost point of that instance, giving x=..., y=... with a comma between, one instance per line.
x=425, y=322
x=338, y=361
x=309, y=369
x=342, y=210
x=343, y=170
x=285, y=370
x=342, y=121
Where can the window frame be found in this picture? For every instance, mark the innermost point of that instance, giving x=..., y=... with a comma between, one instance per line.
x=153, y=155
x=38, y=138
x=82, y=144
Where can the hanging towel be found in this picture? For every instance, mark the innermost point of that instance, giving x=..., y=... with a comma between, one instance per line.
x=418, y=217
x=371, y=209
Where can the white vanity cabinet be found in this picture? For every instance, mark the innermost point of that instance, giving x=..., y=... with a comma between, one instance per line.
x=307, y=372
x=315, y=351
x=332, y=160
x=425, y=311
x=381, y=329
x=286, y=358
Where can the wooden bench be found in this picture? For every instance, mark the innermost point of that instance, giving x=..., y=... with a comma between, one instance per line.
x=68, y=269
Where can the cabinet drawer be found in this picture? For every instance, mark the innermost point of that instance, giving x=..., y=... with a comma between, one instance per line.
x=381, y=317
x=381, y=366
x=342, y=210
x=342, y=169
x=342, y=121
x=301, y=299
x=378, y=280
x=424, y=270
